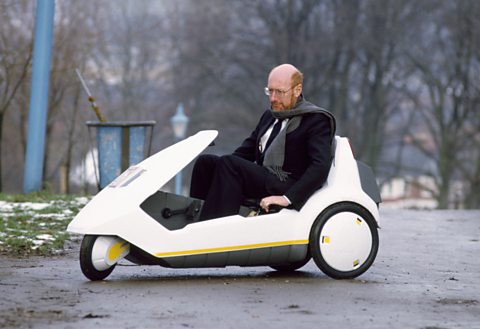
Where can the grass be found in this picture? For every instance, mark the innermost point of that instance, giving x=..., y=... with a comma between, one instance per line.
x=34, y=224
x=36, y=197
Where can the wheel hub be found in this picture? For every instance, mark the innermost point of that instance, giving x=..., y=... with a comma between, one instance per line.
x=345, y=241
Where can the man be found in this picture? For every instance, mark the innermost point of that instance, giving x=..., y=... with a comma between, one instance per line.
x=284, y=160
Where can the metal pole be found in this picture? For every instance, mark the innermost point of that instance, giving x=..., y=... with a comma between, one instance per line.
x=178, y=177
x=179, y=124
x=178, y=183
x=39, y=96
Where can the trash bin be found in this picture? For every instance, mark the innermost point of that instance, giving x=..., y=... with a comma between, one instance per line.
x=119, y=146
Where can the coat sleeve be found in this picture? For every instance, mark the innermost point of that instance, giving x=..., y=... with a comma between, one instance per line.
x=318, y=137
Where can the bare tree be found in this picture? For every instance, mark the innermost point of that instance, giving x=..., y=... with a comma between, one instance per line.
x=451, y=92
x=75, y=37
x=15, y=60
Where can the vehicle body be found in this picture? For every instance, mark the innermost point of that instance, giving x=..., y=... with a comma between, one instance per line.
x=132, y=218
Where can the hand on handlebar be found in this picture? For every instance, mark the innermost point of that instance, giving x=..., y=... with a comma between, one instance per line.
x=280, y=200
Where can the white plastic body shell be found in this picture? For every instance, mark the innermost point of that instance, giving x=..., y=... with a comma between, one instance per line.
x=115, y=211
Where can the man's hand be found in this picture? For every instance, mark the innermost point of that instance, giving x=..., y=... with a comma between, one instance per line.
x=280, y=200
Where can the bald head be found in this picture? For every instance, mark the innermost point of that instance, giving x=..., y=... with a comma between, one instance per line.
x=287, y=73
x=285, y=86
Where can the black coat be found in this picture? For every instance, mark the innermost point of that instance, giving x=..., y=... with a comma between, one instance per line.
x=307, y=155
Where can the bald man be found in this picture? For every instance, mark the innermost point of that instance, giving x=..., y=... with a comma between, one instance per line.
x=283, y=162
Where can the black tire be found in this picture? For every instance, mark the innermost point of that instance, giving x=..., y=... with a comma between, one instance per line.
x=316, y=233
x=291, y=267
x=86, y=263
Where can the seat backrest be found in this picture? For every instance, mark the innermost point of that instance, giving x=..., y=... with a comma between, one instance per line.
x=342, y=160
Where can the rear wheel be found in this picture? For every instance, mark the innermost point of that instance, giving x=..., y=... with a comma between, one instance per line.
x=91, y=268
x=344, y=240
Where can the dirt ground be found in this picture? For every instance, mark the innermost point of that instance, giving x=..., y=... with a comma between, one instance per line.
x=426, y=276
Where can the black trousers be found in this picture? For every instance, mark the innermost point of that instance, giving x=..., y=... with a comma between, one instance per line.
x=225, y=182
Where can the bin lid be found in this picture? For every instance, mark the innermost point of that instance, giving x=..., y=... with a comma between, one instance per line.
x=120, y=123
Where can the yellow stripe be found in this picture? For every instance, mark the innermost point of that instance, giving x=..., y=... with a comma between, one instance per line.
x=231, y=248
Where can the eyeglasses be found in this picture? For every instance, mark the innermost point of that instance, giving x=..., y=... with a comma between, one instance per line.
x=281, y=93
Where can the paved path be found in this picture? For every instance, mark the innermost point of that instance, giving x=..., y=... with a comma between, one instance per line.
x=426, y=276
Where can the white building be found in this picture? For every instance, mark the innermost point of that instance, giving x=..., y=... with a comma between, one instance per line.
x=409, y=192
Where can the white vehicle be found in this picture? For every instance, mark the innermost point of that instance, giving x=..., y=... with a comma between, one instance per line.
x=131, y=218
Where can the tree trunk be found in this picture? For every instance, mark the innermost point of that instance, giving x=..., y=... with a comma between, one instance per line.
x=472, y=192
x=71, y=142
x=2, y=114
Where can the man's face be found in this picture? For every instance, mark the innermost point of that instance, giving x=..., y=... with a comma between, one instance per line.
x=282, y=94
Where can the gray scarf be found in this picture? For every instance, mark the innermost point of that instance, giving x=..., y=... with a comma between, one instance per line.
x=275, y=154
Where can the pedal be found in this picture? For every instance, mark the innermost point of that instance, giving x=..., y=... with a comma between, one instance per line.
x=190, y=212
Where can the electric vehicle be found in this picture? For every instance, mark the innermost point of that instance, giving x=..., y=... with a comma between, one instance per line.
x=133, y=218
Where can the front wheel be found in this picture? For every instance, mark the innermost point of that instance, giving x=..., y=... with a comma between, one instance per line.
x=99, y=255
x=344, y=240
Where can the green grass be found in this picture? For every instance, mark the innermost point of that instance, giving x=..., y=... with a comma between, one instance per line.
x=36, y=197
x=34, y=224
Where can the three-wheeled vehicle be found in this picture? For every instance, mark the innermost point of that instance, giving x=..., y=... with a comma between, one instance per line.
x=132, y=218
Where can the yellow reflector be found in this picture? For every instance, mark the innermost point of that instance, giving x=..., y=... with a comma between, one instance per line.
x=359, y=221
x=325, y=239
x=356, y=262
x=117, y=249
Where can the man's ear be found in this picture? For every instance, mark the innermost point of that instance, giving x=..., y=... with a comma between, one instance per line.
x=297, y=90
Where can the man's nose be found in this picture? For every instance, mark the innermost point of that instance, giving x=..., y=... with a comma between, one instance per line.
x=273, y=96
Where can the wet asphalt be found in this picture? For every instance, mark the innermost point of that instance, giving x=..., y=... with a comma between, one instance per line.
x=426, y=276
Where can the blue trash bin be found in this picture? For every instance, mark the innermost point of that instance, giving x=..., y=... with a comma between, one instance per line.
x=120, y=145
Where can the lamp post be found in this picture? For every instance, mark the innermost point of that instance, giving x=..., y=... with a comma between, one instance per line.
x=179, y=124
